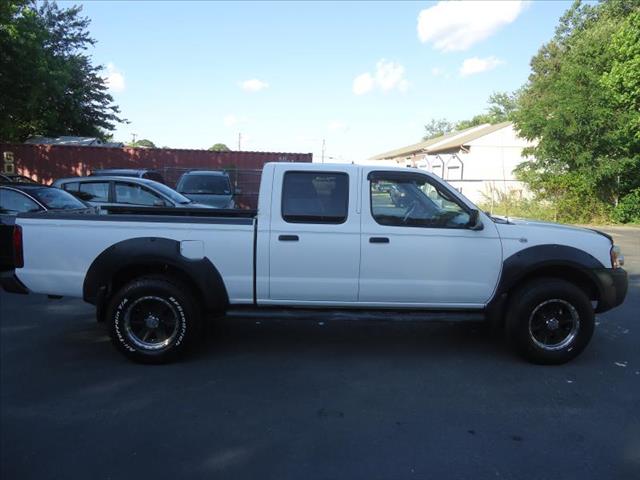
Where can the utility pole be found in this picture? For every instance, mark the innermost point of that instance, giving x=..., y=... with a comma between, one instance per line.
x=239, y=141
x=133, y=137
x=323, y=149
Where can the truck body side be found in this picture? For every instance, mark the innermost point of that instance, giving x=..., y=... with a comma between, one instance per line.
x=326, y=236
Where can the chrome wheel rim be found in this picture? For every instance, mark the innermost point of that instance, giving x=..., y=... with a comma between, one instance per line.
x=151, y=323
x=554, y=324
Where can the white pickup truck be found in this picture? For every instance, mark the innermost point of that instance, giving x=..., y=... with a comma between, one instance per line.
x=323, y=237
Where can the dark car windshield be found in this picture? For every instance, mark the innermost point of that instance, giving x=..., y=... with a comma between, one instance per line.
x=56, y=199
x=208, y=184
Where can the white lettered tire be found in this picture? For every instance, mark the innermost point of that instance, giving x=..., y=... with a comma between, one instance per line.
x=154, y=319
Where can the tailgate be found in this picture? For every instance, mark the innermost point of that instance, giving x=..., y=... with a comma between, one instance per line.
x=6, y=245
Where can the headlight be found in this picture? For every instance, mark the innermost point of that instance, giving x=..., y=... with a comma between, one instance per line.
x=617, y=259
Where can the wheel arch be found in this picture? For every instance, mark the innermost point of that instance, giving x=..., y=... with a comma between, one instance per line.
x=135, y=257
x=555, y=261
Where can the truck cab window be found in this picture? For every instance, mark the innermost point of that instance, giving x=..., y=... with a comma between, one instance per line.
x=414, y=202
x=315, y=197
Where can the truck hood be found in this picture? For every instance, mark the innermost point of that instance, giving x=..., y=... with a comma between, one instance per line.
x=549, y=226
x=518, y=234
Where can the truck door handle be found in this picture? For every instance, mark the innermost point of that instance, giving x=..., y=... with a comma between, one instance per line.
x=378, y=240
x=288, y=238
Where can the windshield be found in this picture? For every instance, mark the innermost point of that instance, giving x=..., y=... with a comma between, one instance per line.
x=56, y=199
x=208, y=184
x=171, y=193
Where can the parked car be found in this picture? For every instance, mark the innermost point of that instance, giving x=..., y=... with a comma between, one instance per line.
x=210, y=187
x=148, y=173
x=326, y=237
x=15, y=178
x=109, y=191
x=18, y=198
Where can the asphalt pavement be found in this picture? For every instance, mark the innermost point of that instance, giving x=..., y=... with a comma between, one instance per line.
x=289, y=398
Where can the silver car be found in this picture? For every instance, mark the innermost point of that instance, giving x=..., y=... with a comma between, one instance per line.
x=113, y=191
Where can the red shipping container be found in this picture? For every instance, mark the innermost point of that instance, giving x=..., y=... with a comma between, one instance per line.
x=45, y=163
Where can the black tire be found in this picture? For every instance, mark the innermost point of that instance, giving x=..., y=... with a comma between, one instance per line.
x=549, y=321
x=154, y=320
x=100, y=312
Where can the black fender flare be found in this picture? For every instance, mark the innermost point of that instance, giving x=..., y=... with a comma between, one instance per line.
x=539, y=258
x=153, y=253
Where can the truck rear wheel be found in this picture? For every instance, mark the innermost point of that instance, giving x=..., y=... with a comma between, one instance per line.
x=549, y=321
x=153, y=320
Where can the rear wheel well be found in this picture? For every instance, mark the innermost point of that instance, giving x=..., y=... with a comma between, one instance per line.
x=131, y=272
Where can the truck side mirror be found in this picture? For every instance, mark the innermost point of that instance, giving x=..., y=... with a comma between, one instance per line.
x=474, y=221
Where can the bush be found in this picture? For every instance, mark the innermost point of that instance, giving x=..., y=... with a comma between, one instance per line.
x=628, y=208
x=512, y=204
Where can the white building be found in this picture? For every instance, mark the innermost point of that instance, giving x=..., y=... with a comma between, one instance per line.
x=478, y=161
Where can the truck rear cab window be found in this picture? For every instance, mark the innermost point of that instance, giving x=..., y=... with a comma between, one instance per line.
x=315, y=197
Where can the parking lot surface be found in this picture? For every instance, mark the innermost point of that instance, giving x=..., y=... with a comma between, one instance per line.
x=275, y=398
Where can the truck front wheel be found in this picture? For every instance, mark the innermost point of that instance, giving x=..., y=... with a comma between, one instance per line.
x=153, y=320
x=549, y=321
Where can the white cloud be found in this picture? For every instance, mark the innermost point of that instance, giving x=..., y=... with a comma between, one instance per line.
x=253, y=85
x=387, y=77
x=437, y=71
x=390, y=75
x=232, y=120
x=114, y=79
x=456, y=26
x=246, y=141
x=474, y=65
x=338, y=126
x=363, y=84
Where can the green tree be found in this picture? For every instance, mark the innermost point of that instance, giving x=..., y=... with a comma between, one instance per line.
x=501, y=108
x=473, y=122
x=578, y=106
x=622, y=81
x=142, y=143
x=219, y=147
x=48, y=85
x=437, y=127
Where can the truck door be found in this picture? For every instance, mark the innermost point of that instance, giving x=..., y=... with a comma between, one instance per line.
x=417, y=247
x=314, y=244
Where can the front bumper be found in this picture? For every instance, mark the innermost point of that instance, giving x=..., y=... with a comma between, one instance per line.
x=10, y=283
x=612, y=287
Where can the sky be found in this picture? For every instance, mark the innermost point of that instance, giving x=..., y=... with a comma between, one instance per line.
x=365, y=77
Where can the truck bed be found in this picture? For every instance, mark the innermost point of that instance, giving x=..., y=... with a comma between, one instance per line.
x=63, y=246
